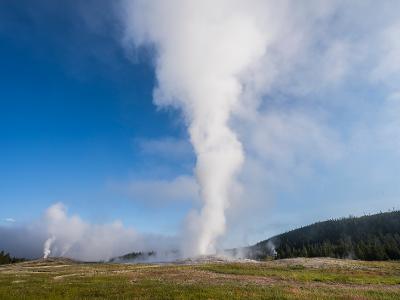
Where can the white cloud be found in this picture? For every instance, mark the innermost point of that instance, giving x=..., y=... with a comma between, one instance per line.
x=389, y=130
x=286, y=138
x=383, y=133
x=388, y=67
x=9, y=220
x=70, y=236
x=283, y=148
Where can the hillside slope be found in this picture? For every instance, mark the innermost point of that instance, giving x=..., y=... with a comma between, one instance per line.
x=372, y=237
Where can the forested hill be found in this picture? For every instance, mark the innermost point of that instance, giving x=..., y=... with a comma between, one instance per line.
x=372, y=237
x=5, y=258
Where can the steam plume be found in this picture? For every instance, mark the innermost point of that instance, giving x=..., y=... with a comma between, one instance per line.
x=203, y=49
x=47, y=247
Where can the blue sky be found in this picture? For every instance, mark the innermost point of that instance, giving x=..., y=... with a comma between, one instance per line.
x=70, y=121
x=78, y=125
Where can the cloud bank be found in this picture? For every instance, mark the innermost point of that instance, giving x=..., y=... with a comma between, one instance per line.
x=60, y=234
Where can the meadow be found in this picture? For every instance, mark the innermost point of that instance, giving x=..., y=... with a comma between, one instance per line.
x=299, y=278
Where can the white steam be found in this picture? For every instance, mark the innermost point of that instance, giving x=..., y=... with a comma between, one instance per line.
x=216, y=59
x=203, y=49
x=47, y=247
x=73, y=237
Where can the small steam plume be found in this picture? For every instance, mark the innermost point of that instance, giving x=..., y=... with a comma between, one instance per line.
x=203, y=49
x=47, y=247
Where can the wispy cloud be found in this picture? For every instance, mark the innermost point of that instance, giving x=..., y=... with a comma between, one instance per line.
x=170, y=148
x=159, y=191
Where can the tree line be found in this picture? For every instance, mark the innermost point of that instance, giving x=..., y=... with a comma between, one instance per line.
x=5, y=258
x=370, y=237
x=133, y=256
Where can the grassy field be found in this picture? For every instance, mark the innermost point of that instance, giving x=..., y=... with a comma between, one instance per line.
x=281, y=279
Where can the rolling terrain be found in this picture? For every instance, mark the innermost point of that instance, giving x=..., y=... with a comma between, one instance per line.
x=297, y=278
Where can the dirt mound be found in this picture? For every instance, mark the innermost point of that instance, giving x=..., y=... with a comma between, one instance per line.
x=51, y=261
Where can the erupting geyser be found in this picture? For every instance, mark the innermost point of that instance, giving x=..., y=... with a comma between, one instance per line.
x=202, y=50
x=47, y=246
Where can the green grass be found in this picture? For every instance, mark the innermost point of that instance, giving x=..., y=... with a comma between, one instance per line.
x=270, y=280
x=302, y=274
